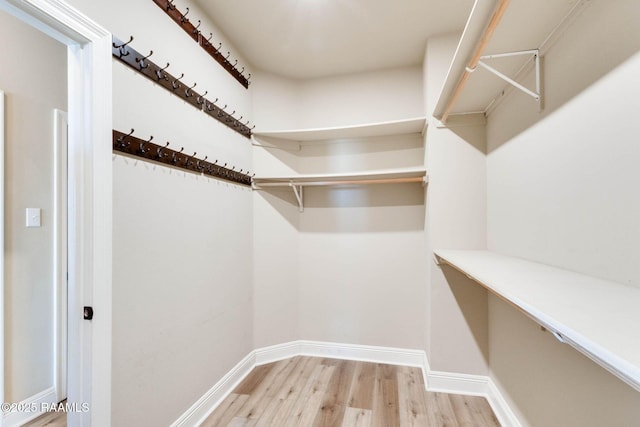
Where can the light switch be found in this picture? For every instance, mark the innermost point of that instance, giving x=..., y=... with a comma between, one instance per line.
x=33, y=217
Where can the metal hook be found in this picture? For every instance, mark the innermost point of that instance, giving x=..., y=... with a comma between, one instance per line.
x=160, y=149
x=189, y=162
x=170, y=5
x=140, y=61
x=187, y=92
x=198, y=166
x=183, y=18
x=201, y=99
x=123, y=47
x=176, y=81
x=120, y=140
x=235, y=63
x=159, y=73
x=210, y=37
x=175, y=155
x=142, y=144
x=195, y=30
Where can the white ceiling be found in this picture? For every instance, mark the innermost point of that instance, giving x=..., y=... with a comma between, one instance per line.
x=313, y=38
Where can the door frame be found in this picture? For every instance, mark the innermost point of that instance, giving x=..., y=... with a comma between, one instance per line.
x=60, y=266
x=90, y=202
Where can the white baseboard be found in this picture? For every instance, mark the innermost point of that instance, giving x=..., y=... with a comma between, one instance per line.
x=501, y=408
x=447, y=382
x=199, y=411
x=365, y=353
x=15, y=419
x=475, y=385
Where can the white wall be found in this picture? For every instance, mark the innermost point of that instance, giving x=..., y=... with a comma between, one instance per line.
x=33, y=76
x=362, y=278
x=455, y=218
x=376, y=96
x=354, y=259
x=182, y=244
x=562, y=191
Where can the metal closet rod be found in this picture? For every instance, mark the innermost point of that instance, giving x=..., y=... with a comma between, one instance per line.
x=482, y=44
x=339, y=182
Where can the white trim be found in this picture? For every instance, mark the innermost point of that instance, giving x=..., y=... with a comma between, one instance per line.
x=501, y=408
x=60, y=182
x=455, y=383
x=365, y=353
x=199, y=411
x=15, y=419
x=90, y=199
x=2, y=248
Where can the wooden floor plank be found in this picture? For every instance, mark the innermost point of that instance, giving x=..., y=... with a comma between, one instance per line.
x=334, y=403
x=50, y=419
x=464, y=417
x=385, y=406
x=306, y=391
x=226, y=411
x=357, y=417
x=305, y=410
x=259, y=399
x=361, y=395
x=411, y=399
x=289, y=395
x=481, y=410
x=249, y=384
x=441, y=406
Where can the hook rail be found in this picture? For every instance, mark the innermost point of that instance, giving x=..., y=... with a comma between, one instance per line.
x=159, y=75
x=205, y=43
x=145, y=149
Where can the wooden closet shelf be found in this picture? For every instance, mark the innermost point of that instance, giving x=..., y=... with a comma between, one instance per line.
x=501, y=35
x=298, y=182
x=410, y=126
x=597, y=317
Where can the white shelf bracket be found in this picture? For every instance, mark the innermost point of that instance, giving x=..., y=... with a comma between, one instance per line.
x=535, y=53
x=297, y=191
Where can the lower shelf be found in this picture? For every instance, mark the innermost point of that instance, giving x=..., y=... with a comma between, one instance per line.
x=599, y=318
x=298, y=182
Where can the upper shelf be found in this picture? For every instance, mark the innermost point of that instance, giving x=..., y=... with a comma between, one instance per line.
x=597, y=317
x=368, y=177
x=397, y=127
x=523, y=25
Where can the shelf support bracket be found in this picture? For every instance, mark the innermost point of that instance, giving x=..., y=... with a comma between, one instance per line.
x=535, y=53
x=297, y=191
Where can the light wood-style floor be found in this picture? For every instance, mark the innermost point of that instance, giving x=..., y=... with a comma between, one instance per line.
x=317, y=392
x=51, y=419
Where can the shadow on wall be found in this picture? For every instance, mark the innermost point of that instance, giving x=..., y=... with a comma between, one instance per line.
x=602, y=38
x=466, y=127
x=353, y=209
x=472, y=299
x=536, y=371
